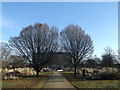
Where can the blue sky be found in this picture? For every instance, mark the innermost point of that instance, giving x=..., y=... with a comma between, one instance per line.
x=98, y=19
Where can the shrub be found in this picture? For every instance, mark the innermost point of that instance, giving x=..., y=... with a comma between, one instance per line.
x=108, y=75
x=118, y=75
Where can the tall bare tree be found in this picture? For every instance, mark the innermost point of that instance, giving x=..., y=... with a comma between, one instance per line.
x=36, y=43
x=77, y=44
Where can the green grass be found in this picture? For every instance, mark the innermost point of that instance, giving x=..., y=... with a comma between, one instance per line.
x=78, y=83
x=42, y=73
x=28, y=82
x=67, y=72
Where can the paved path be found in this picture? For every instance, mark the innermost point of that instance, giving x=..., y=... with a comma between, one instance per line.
x=57, y=80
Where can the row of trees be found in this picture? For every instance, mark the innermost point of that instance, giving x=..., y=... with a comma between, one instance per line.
x=108, y=59
x=37, y=43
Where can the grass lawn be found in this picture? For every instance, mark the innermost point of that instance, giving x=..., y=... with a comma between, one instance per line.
x=78, y=83
x=27, y=82
x=43, y=73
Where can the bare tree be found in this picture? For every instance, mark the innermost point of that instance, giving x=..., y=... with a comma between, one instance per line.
x=18, y=62
x=77, y=44
x=108, y=58
x=36, y=43
x=5, y=53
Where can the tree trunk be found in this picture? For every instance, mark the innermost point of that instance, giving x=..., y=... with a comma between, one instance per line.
x=37, y=73
x=75, y=68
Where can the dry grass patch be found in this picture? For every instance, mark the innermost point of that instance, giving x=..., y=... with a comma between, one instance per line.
x=27, y=82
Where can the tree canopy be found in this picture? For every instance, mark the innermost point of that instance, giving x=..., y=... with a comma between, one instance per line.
x=76, y=43
x=36, y=43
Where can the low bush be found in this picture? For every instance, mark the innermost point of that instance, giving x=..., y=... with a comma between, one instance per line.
x=118, y=75
x=108, y=75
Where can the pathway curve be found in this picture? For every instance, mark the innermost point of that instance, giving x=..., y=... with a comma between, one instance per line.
x=57, y=80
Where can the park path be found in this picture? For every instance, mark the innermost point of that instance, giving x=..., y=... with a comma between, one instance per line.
x=57, y=80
